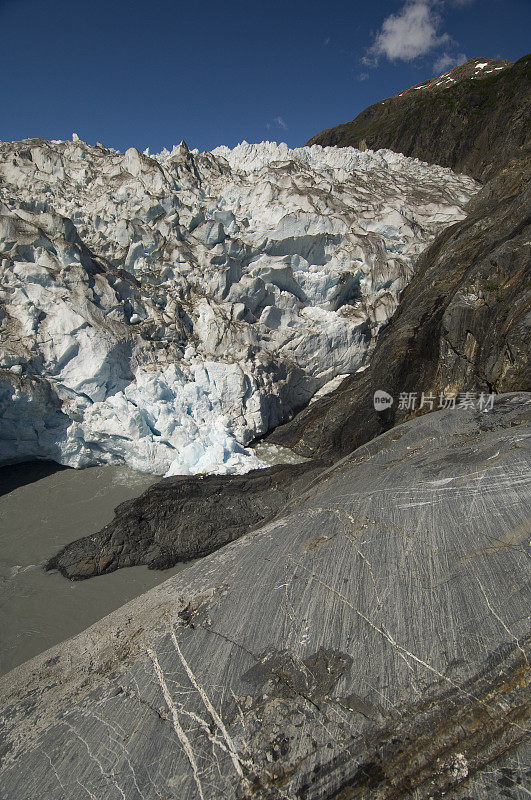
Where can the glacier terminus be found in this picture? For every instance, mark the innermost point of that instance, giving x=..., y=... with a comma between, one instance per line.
x=164, y=311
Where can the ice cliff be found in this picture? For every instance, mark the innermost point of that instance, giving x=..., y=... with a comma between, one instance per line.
x=165, y=310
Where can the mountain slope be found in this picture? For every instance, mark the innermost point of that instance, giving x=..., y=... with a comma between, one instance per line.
x=473, y=119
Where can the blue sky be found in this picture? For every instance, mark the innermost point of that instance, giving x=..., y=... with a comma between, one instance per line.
x=150, y=74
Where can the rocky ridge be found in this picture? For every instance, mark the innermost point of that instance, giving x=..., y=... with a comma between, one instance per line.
x=184, y=518
x=474, y=119
x=166, y=310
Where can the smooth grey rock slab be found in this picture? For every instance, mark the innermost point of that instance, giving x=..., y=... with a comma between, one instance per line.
x=371, y=643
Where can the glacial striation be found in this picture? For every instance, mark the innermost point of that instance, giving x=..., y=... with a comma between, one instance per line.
x=164, y=311
x=370, y=642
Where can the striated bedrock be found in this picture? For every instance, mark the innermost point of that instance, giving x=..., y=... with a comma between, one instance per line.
x=371, y=642
x=463, y=324
x=183, y=518
x=474, y=118
x=163, y=311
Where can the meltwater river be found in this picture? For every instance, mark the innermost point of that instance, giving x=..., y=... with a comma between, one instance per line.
x=42, y=507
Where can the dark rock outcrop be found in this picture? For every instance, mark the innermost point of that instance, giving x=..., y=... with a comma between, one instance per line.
x=472, y=120
x=183, y=518
x=463, y=325
x=371, y=644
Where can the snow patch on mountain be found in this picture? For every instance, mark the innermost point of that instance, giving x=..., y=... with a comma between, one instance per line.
x=164, y=311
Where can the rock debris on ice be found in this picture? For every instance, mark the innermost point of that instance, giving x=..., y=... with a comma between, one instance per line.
x=165, y=310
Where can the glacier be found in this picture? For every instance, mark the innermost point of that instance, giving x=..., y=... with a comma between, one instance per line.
x=164, y=311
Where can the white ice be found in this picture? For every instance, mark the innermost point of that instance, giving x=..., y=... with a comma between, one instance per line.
x=165, y=310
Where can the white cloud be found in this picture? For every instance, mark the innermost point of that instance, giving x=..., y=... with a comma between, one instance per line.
x=410, y=33
x=446, y=62
x=277, y=122
x=363, y=76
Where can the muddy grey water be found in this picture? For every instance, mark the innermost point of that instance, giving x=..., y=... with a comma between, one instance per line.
x=42, y=508
x=39, y=513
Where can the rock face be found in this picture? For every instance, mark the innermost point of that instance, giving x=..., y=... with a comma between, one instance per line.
x=474, y=119
x=463, y=325
x=370, y=643
x=182, y=518
x=164, y=311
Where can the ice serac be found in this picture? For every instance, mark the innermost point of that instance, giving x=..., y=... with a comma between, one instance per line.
x=164, y=311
